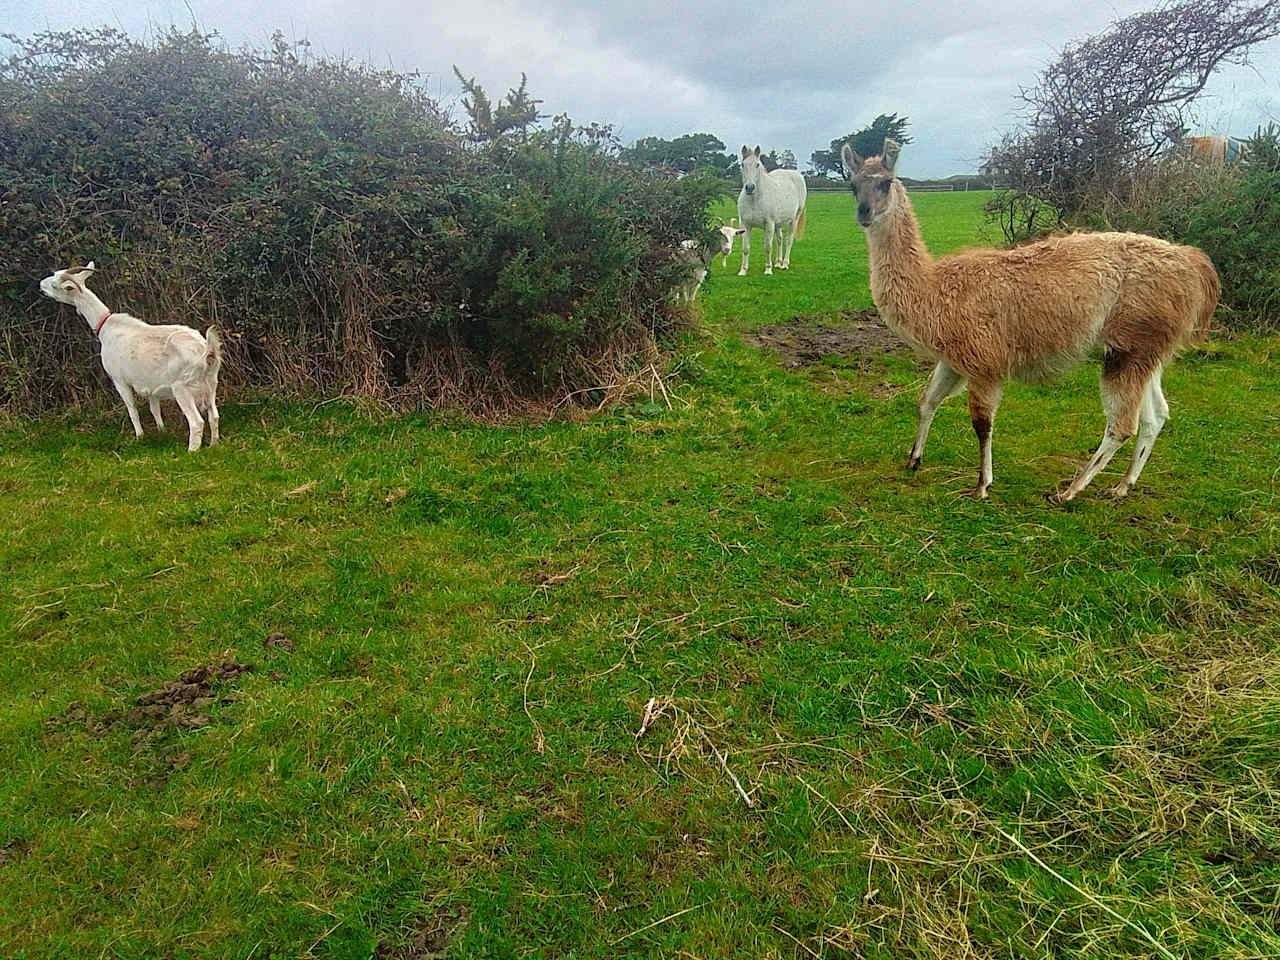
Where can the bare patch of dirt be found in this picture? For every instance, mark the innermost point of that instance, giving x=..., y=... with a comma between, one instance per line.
x=179, y=704
x=432, y=939
x=803, y=341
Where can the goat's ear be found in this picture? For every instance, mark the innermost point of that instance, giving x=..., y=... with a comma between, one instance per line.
x=739, y=230
x=89, y=268
x=890, y=156
x=852, y=162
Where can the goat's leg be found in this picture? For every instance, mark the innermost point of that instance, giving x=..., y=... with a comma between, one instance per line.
x=126, y=394
x=188, y=404
x=944, y=382
x=768, y=247
x=154, y=403
x=984, y=401
x=213, y=413
x=746, y=251
x=1151, y=420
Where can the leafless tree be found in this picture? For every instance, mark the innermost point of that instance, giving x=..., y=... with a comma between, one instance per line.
x=1117, y=100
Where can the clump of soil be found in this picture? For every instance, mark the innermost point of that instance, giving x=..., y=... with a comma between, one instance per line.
x=803, y=341
x=11, y=851
x=278, y=641
x=432, y=939
x=179, y=704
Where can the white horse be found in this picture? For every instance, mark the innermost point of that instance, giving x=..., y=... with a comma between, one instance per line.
x=774, y=201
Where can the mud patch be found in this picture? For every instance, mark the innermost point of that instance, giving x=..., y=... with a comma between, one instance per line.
x=432, y=939
x=803, y=341
x=180, y=704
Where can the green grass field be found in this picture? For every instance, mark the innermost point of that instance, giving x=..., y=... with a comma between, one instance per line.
x=966, y=729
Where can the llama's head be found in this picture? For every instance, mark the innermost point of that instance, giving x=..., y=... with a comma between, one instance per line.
x=67, y=285
x=752, y=169
x=872, y=181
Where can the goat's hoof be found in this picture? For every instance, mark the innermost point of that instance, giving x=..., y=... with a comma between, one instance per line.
x=913, y=462
x=980, y=492
x=742, y=273
x=768, y=272
x=1118, y=492
x=1058, y=497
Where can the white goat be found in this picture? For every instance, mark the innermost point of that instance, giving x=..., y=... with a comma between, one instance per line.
x=730, y=232
x=156, y=362
x=697, y=256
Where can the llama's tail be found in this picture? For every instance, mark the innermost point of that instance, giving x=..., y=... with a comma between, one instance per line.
x=1211, y=289
x=800, y=225
x=213, y=356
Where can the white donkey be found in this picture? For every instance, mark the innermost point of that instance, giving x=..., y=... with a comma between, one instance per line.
x=774, y=201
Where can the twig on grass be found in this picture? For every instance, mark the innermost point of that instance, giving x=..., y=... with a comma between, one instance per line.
x=658, y=923
x=1131, y=924
x=657, y=707
x=539, y=741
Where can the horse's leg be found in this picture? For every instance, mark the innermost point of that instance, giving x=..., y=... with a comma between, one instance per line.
x=768, y=247
x=785, y=230
x=746, y=251
x=791, y=238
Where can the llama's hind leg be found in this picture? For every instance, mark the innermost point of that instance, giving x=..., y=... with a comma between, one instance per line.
x=1151, y=420
x=944, y=382
x=984, y=400
x=1123, y=387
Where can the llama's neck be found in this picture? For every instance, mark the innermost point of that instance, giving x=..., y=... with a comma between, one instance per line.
x=900, y=263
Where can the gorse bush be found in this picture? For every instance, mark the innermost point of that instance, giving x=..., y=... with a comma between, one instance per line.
x=1231, y=212
x=345, y=232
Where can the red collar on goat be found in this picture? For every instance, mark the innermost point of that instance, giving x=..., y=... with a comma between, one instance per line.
x=97, y=331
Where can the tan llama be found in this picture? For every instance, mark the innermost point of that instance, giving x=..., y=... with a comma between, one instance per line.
x=1032, y=312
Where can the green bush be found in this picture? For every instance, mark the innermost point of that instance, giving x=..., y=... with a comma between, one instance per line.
x=1231, y=212
x=345, y=232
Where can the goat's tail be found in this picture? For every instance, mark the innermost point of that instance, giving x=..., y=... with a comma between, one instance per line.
x=213, y=356
x=799, y=231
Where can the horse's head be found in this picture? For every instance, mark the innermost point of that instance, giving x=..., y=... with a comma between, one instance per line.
x=872, y=181
x=752, y=169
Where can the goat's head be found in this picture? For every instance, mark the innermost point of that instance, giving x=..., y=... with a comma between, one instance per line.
x=726, y=237
x=67, y=285
x=752, y=169
x=872, y=181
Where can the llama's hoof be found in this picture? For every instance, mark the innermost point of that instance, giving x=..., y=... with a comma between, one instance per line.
x=913, y=462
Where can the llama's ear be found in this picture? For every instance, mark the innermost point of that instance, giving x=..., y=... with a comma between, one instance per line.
x=852, y=162
x=745, y=151
x=890, y=156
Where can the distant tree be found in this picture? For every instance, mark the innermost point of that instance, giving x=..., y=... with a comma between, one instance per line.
x=787, y=160
x=686, y=153
x=868, y=142
x=1115, y=101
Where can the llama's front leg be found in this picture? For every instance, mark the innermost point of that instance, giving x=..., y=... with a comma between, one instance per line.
x=126, y=394
x=154, y=403
x=194, y=421
x=768, y=247
x=984, y=401
x=746, y=251
x=944, y=382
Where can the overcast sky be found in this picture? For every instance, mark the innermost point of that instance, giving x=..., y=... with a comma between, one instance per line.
x=786, y=75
